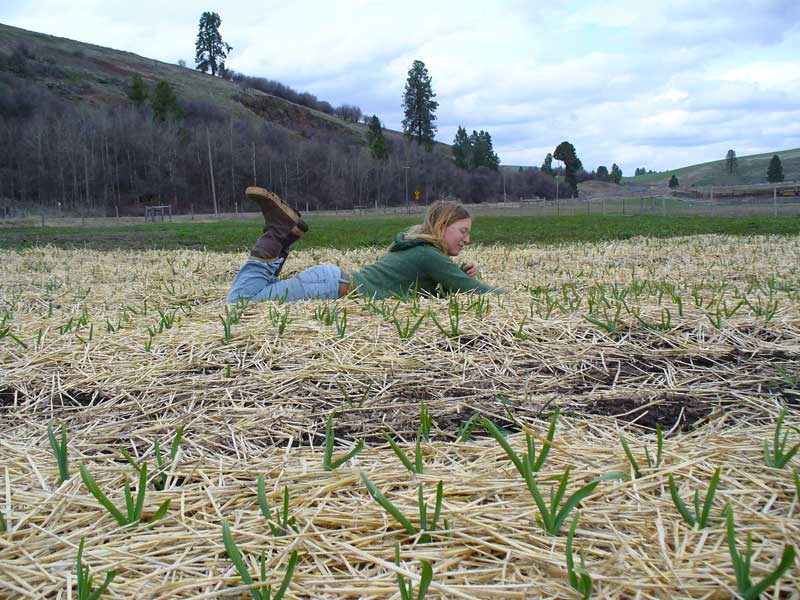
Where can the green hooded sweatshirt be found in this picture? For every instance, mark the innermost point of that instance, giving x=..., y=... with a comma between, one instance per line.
x=413, y=264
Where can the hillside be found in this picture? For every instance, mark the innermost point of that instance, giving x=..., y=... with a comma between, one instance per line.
x=104, y=155
x=86, y=74
x=79, y=91
x=750, y=170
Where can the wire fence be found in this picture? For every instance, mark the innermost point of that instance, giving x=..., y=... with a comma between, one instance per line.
x=663, y=206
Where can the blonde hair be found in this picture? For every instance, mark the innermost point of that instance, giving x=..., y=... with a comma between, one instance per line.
x=441, y=214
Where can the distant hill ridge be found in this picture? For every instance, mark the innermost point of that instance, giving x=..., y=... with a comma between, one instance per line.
x=86, y=73
x=750, y=169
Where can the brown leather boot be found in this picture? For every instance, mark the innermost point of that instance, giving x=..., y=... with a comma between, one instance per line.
x=276, y=210
x=268, y=247
x=283, y=226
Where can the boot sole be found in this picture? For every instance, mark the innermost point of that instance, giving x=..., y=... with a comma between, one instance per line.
x=275, y=208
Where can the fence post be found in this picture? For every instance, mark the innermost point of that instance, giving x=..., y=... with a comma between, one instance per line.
x=663, y=206
x=42, y=218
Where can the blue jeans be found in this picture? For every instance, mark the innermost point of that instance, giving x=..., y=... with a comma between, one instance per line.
x=257, y=281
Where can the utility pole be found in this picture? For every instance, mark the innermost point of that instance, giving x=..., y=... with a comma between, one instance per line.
x=233, y=176
x=211, y=169
x=86, y=173
x=556, y=190
x=406, y=168
x=253, y=152
x=775, y=201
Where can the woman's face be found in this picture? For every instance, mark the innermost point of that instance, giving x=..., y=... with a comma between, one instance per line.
x=456, y=236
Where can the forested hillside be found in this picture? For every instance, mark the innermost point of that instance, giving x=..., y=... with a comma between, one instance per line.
x=77, y=136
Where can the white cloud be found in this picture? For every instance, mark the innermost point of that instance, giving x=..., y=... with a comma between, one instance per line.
x=775, y=74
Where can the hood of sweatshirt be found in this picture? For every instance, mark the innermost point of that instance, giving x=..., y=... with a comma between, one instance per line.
x=400, y=243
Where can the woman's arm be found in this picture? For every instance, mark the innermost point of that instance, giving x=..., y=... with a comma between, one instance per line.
x=470, y=269
x=452, y=278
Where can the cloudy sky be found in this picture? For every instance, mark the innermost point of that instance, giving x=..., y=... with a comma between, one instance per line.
x=655, y=84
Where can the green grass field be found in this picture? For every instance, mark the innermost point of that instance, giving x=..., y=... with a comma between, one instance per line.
x=356, y=233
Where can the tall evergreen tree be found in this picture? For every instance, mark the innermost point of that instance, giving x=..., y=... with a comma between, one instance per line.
x=378, y=148
x=137, y=92
x=673, y=182
x=419, y=106
x=730, y=162
x=476, y=150
x=616, y=174
x=775, y=170
x=492, y=160
x=565, y=152
x=164, y=103
x=482, y=151
x=602, y=173
x=547, y=165
x=210, y=50
x=462, y=150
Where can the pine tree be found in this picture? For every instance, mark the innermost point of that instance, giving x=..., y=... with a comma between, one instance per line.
x=462, y=150
x=210, y=50
x=137, y=92
x=547, y=165
x=164, y=103
x=602, y=173
x=483, y=154
x=419, y=106
x=616, y=174
x=565, y=152
x=673, y=182
x=476, y=150
x=378, y=148
x=730, y=162
x=775, y=170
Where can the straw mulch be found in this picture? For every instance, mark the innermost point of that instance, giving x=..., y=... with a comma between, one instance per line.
x=100, y=359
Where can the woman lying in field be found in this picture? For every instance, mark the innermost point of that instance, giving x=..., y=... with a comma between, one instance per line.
x=418, y=260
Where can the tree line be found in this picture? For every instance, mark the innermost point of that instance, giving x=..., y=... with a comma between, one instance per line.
x=115, y=161
x=160, y=148
x=419, y=112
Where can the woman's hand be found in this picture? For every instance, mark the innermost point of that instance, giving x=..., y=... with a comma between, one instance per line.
x=470, y=269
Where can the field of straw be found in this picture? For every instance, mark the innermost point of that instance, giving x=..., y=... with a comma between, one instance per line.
x=700, y=336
